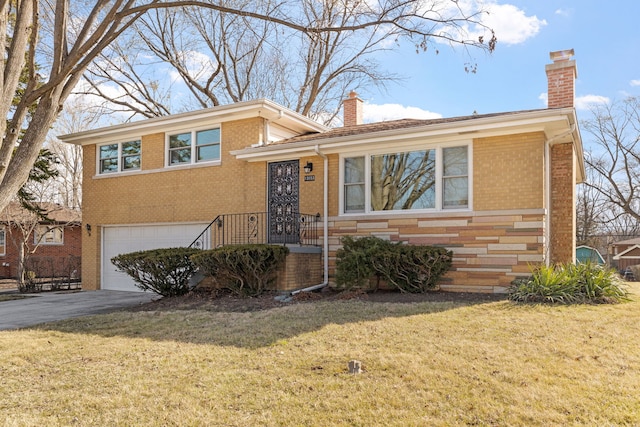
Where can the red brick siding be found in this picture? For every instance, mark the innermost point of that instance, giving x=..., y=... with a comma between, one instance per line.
x=561, y=81
x=45, y=256
x=563, y=231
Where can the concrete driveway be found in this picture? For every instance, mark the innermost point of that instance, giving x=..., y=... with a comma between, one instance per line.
x=51, y=306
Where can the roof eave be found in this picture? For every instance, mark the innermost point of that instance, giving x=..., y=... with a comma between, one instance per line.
x=539, y=120
x=249, y=109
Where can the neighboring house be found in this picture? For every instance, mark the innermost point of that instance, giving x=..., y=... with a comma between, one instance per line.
x=53, y=246
x=497, y=189
x=586, y=254
x=626, y=253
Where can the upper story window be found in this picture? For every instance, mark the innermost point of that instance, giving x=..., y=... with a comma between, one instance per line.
x=431, y=179
x=120, y=157
x=194, y=147
x=3, y=242
x=48, y=235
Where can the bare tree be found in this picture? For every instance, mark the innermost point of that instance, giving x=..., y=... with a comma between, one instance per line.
x=66, y=188
x=614, y=160
x=220, y=59
x=54, y=42
x=29, y=229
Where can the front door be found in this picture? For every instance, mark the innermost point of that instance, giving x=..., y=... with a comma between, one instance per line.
x=284, y=184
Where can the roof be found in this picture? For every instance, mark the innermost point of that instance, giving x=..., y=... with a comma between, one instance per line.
x=632, y=252
x=633, y=241
x=587, y=253
x=560, y=125
x=58, y=214
x=289, y=121
x=369, y=128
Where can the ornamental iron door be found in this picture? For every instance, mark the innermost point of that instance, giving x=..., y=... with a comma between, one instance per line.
x=284, y=183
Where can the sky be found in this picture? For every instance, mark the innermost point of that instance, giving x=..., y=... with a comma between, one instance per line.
x=512, y=78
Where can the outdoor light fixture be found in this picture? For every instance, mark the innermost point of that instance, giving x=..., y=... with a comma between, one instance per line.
x=308, y=168
x=88, y=227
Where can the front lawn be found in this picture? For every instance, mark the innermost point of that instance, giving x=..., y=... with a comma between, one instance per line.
x=429, y=363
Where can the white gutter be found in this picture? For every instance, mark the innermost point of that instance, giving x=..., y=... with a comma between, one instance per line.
x=325, y=225
x=223, y=113
x=481, y=127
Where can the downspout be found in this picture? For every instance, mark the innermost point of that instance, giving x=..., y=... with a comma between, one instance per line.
x=547, y=191
x=325, y=225
x=548, y=187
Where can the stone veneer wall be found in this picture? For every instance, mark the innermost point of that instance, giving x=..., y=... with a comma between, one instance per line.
x=490, y=249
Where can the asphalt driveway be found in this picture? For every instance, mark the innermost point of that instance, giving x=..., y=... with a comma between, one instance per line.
x=51, y=306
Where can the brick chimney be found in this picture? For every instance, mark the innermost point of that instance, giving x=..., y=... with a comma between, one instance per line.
x=561, y=77
x=352, y=107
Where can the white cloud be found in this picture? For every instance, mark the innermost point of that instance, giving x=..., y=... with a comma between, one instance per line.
x=198, y=65
x=581, y=102
x=634, y=82
x=587, y=101
x=512, y=25
x=383, y=112
x=564, y=12
x=544, y=97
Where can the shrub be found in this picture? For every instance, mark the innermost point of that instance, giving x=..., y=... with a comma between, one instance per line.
x=246, y=270
x=364, y=262
x=414, y=269
x=163, y=271
x=570, y=283
x=354, y=266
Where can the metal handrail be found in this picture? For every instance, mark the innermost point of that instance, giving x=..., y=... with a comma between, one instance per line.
x=260, y=227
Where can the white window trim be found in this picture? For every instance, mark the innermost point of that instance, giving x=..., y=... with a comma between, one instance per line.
x=37, y=240
x=3, y=247
x=193, y=162
x=401, y=149
x=120, y=170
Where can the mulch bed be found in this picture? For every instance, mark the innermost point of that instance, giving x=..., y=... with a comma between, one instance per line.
x=222, y=301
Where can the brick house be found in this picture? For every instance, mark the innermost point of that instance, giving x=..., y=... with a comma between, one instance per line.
x=54, y=245
x=497, y=189
x=626, y=253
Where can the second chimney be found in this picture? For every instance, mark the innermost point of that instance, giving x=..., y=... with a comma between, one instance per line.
x=352, y=109
x=561, y=77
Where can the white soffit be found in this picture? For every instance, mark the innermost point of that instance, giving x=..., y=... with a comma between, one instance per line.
x=285, y=118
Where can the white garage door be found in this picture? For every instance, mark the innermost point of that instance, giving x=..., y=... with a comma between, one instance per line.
x=121, y=240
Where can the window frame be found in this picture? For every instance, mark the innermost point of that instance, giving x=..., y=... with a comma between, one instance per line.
x=440, y=178
x=120, y=158
x=193, y=159
x=3, y=241
x=38, y=240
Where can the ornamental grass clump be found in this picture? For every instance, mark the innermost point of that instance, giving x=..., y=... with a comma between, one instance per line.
x=570, y=284
x=164, y=271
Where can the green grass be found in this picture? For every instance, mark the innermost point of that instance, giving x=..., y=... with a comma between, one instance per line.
x=435, y=364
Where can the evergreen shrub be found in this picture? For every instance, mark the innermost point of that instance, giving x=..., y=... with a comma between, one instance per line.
x=246, y=270
x=163, y=271
x=365, y=262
